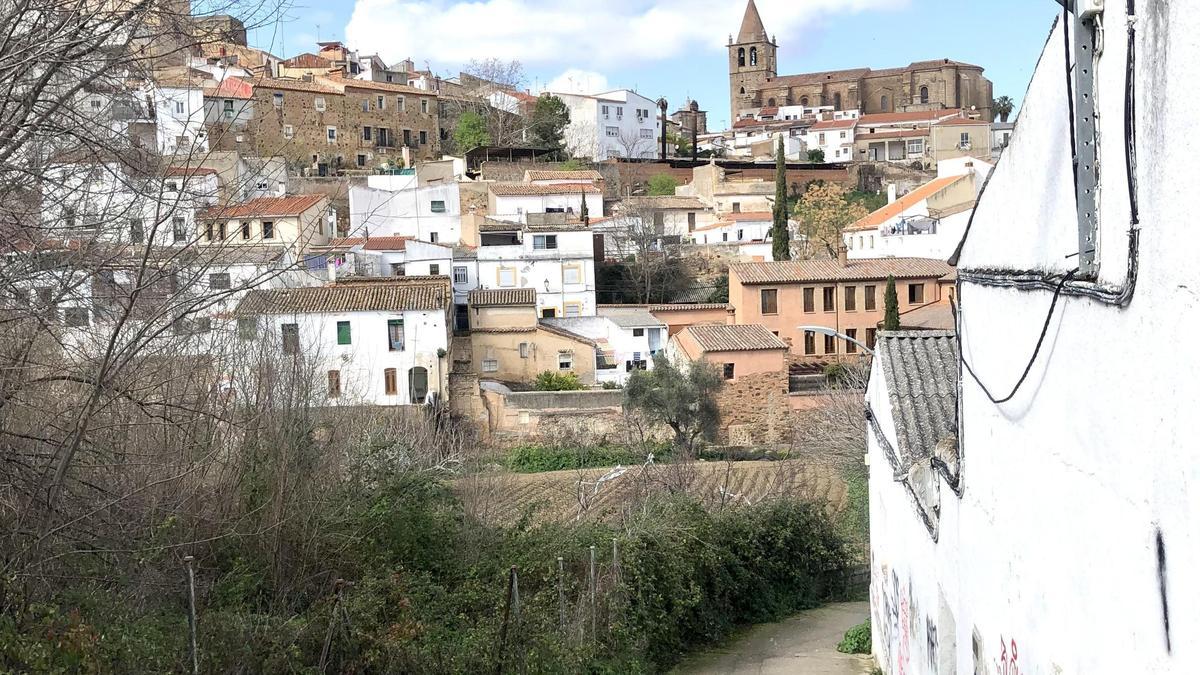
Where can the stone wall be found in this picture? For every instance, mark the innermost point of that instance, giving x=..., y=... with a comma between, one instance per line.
x=755, y=409
x=633, y=176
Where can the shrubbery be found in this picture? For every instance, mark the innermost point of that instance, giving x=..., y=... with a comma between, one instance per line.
x=857, y=640
x=548, y=380
x=537, y=458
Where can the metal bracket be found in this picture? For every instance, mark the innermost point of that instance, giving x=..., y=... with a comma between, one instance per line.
x=1087, y=163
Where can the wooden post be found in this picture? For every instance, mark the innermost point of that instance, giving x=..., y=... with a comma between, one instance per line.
x=562, y=599
x=191, y=573
x=592, y=585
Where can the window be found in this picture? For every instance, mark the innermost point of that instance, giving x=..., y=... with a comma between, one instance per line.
x=924, y=94
x=611, y=132
x=821, y=138
x=245, y=229
x=460, y=274
x=360, y=160
x=178, y=107
x=810, y=342
x=277, y=98
x=506, y=277
x=691, y=220
x=737, y=207
x=828, y=298
x=604, y=111
x=916, y=294
x=331, y=134
x=523, y=350
x=727, y=371
x=804, y=101
x=408, y=137
x=291, y=338
x=545, y=242
x=319, y=103
x=830, y=345
x=646, y=133
x=366, y=105
x=724, y=236
x=172, y=186
x=564, y=361
x=221, y=231
x=549, y=312
x=75, y=316
x=851, y=333
x=769, y=300
x=437, y=206
x=850, y=293
x=639, y=332
x=490, y=365
x=571, y=274
x=268, y=229
x=809, y=302
x=741, y=56
x=424, y=137
x=366, y=133
x=842, y=134
x=395, y=333
x=424, y=107
x=620, y=112
x=871, y=338
x=208, y=231
x=400, y=103
x=179, y=229
x=247, y=328
x=883, y=103
x=288, y=131
x=218, y=281
x=869, y=298
x=916, y=146
x=740, y=234
x=380, y=103
x=334, y=387
x=433, y=237
x=418, y=384
x=343, y=332
x=397, y=269
x=964, y=138
x=389, y=381
x=137, y=232
x=435, y=270
x=383, y=138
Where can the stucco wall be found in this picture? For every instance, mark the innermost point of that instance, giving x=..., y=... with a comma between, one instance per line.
x=541, y=354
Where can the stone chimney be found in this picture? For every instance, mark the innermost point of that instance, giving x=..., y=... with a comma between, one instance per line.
x=842, y=256
x=891, y=192
x=331, y=270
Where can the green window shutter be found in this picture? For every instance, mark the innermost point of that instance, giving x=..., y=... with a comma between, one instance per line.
x=343, y=328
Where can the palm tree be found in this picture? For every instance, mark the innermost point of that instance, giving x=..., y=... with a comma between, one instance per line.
x=1002, y=108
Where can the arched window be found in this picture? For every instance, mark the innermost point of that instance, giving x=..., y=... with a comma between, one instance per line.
x=418, y=384
x=754, y=56
x=771, y=102
x=741, y=56
x=804, y=101
x=837, y=101
x=883, y=103
x=924, y=94
x=742, y=91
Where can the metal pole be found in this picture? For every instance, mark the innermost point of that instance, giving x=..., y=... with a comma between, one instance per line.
x=192, y=613
x=695, y=125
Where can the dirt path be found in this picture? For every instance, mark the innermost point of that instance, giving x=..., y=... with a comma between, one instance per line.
x=805, y=644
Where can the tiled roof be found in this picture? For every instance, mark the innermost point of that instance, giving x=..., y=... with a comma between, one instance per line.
x=174, y=171
x=833, y=124
x=528, y=189
x=685, y=307
x=231, y=87
x=371, y=243
x=920, y=369
x=876, y=218
x=819, y=78
x=867, y=269
x=735, y=338
x=538, y=174
x=308, y=60
x=660, y=202
x=502, y=297
x=903, y=133
x=565, y=333
x=900, y=117
x=939, y=63
x=373, y=297
x=934, y=316
x=749, y=216
x=266, y=206
x=629, y=317
x=296, y=85
x=769, y=110
x=962, y=122
x=343, y=83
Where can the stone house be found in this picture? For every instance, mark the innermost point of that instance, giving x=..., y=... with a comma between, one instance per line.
x=297, y=222
x=510, y=344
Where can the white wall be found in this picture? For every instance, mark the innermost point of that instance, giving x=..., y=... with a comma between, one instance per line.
x=409, y=212
x=1049, y=561
x=588, y=135
x=180, y=112
x=545, y=270
x=514, y=208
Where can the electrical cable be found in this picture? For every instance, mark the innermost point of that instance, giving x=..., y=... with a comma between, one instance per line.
x=1070, y=101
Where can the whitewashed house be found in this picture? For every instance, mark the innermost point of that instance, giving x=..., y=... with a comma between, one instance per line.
x=378, y=342
x=386, y=257
x=552, y=254
x=1032, y=487
x=833, y=137
x=297, y=222
x=627, y=338
x=619, y=123
x=396, y=206
x=179, y=112
x=515, y=201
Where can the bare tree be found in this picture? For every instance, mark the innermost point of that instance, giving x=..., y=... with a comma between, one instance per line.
x=632, y=144
x=653, y=260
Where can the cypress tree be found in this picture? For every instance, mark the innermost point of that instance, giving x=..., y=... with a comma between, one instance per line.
x=891, y=306
x=781, y=248
x=583, y=214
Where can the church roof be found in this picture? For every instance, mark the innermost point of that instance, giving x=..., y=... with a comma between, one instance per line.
x=752, y=29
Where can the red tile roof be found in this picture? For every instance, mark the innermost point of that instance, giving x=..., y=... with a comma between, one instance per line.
x=371, y=243
x=396, y=296
x=956, y=122
x=539, y=174
x=529, y=189
x=231, y=87
x=833, y=124
x=266, y=206
x=902, y=133
x=296, y=85
x=867, y=269
x=876, y=218
x=752, y=216
x=308, y=60
x=769, y=110
x=818, y=78
x=900, y=117
x=734, y=338
x=343, y=83
x=502, y=297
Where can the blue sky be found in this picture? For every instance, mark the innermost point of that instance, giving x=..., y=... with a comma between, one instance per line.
x=673, y=48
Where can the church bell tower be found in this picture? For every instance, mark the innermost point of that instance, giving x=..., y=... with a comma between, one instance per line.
x=751, y=63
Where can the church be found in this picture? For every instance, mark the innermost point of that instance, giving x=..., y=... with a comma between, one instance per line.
x=925, y=85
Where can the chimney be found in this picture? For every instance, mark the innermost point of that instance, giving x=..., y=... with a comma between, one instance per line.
x=331, y=269
x=891, y=192
x=842, y=255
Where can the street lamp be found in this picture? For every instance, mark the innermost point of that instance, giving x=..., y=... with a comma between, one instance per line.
x=833, y=333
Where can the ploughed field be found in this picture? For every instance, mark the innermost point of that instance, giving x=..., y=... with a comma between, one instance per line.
x=590, y=494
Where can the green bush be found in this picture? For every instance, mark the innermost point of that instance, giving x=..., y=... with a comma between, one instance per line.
x=857, y=639
x=549, y=380
x=661, y=184
x=538, y=458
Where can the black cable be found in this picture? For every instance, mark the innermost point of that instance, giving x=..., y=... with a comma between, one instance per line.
x=1130, y=127
x=1036, y=350
x=1070, y=101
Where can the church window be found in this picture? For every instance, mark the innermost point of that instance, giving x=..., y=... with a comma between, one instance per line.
x=754, y=56
x=837, y=101
x=804, y=101
x=883, y=103
x=771, y=102
x=741, y=56
x=742, y=91
x=924, y=94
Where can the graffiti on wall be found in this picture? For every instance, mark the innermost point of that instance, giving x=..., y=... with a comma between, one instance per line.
x=1007, y=665
x=908, y=638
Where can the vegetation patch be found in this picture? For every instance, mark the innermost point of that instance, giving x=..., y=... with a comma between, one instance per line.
x=857, y=640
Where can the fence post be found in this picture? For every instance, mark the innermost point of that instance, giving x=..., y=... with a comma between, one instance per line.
x=333, y=620
x=592, y=586
x=616, y=563
x=562, y=599
x=191, y=573
x=508, y=603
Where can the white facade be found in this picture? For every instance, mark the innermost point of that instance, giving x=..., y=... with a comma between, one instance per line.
x=559, y=265
x=627, y=337
x=516, y=208
x=428, y=213
x=835, y=138
x=180, y=114
x=1070, y=543
x=741, y=230
x=620, y=123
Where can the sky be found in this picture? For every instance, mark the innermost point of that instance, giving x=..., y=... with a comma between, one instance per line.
x=672, y=48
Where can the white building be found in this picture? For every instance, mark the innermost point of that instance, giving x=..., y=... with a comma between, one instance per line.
x=1001, y=133
x=297, y=222
x=395, y=206
x=619, y=123
x=1032, y=505
x=515, y=201
x=555, y=259
x=380, y=342
x=834, y=137
x=627, y=339
x=180, y=115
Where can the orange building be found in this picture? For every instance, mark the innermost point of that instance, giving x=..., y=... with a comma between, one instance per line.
x=737, y=351
x=845, y=295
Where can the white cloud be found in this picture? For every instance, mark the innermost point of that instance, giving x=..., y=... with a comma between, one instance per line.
x=576, y=81
x=561, y=33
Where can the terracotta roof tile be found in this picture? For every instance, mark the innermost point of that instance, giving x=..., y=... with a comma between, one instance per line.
x=502, y=297
x=537, y=174
x=371, y=243
x=231, y=87
x=661, y=202
x=833, y=124
x=374, y=297
x=529, y=189
x=962, y=123
x=750, y=216
x=819, y=78
x=807, y=271
x=296, y=85
x=266, y=206
x=343, y=83
x=308, y=60
x=685, y=307
x=173, y=171
x=902, y=133
x=919, y=116
x=734, y=338
x=880, y=216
